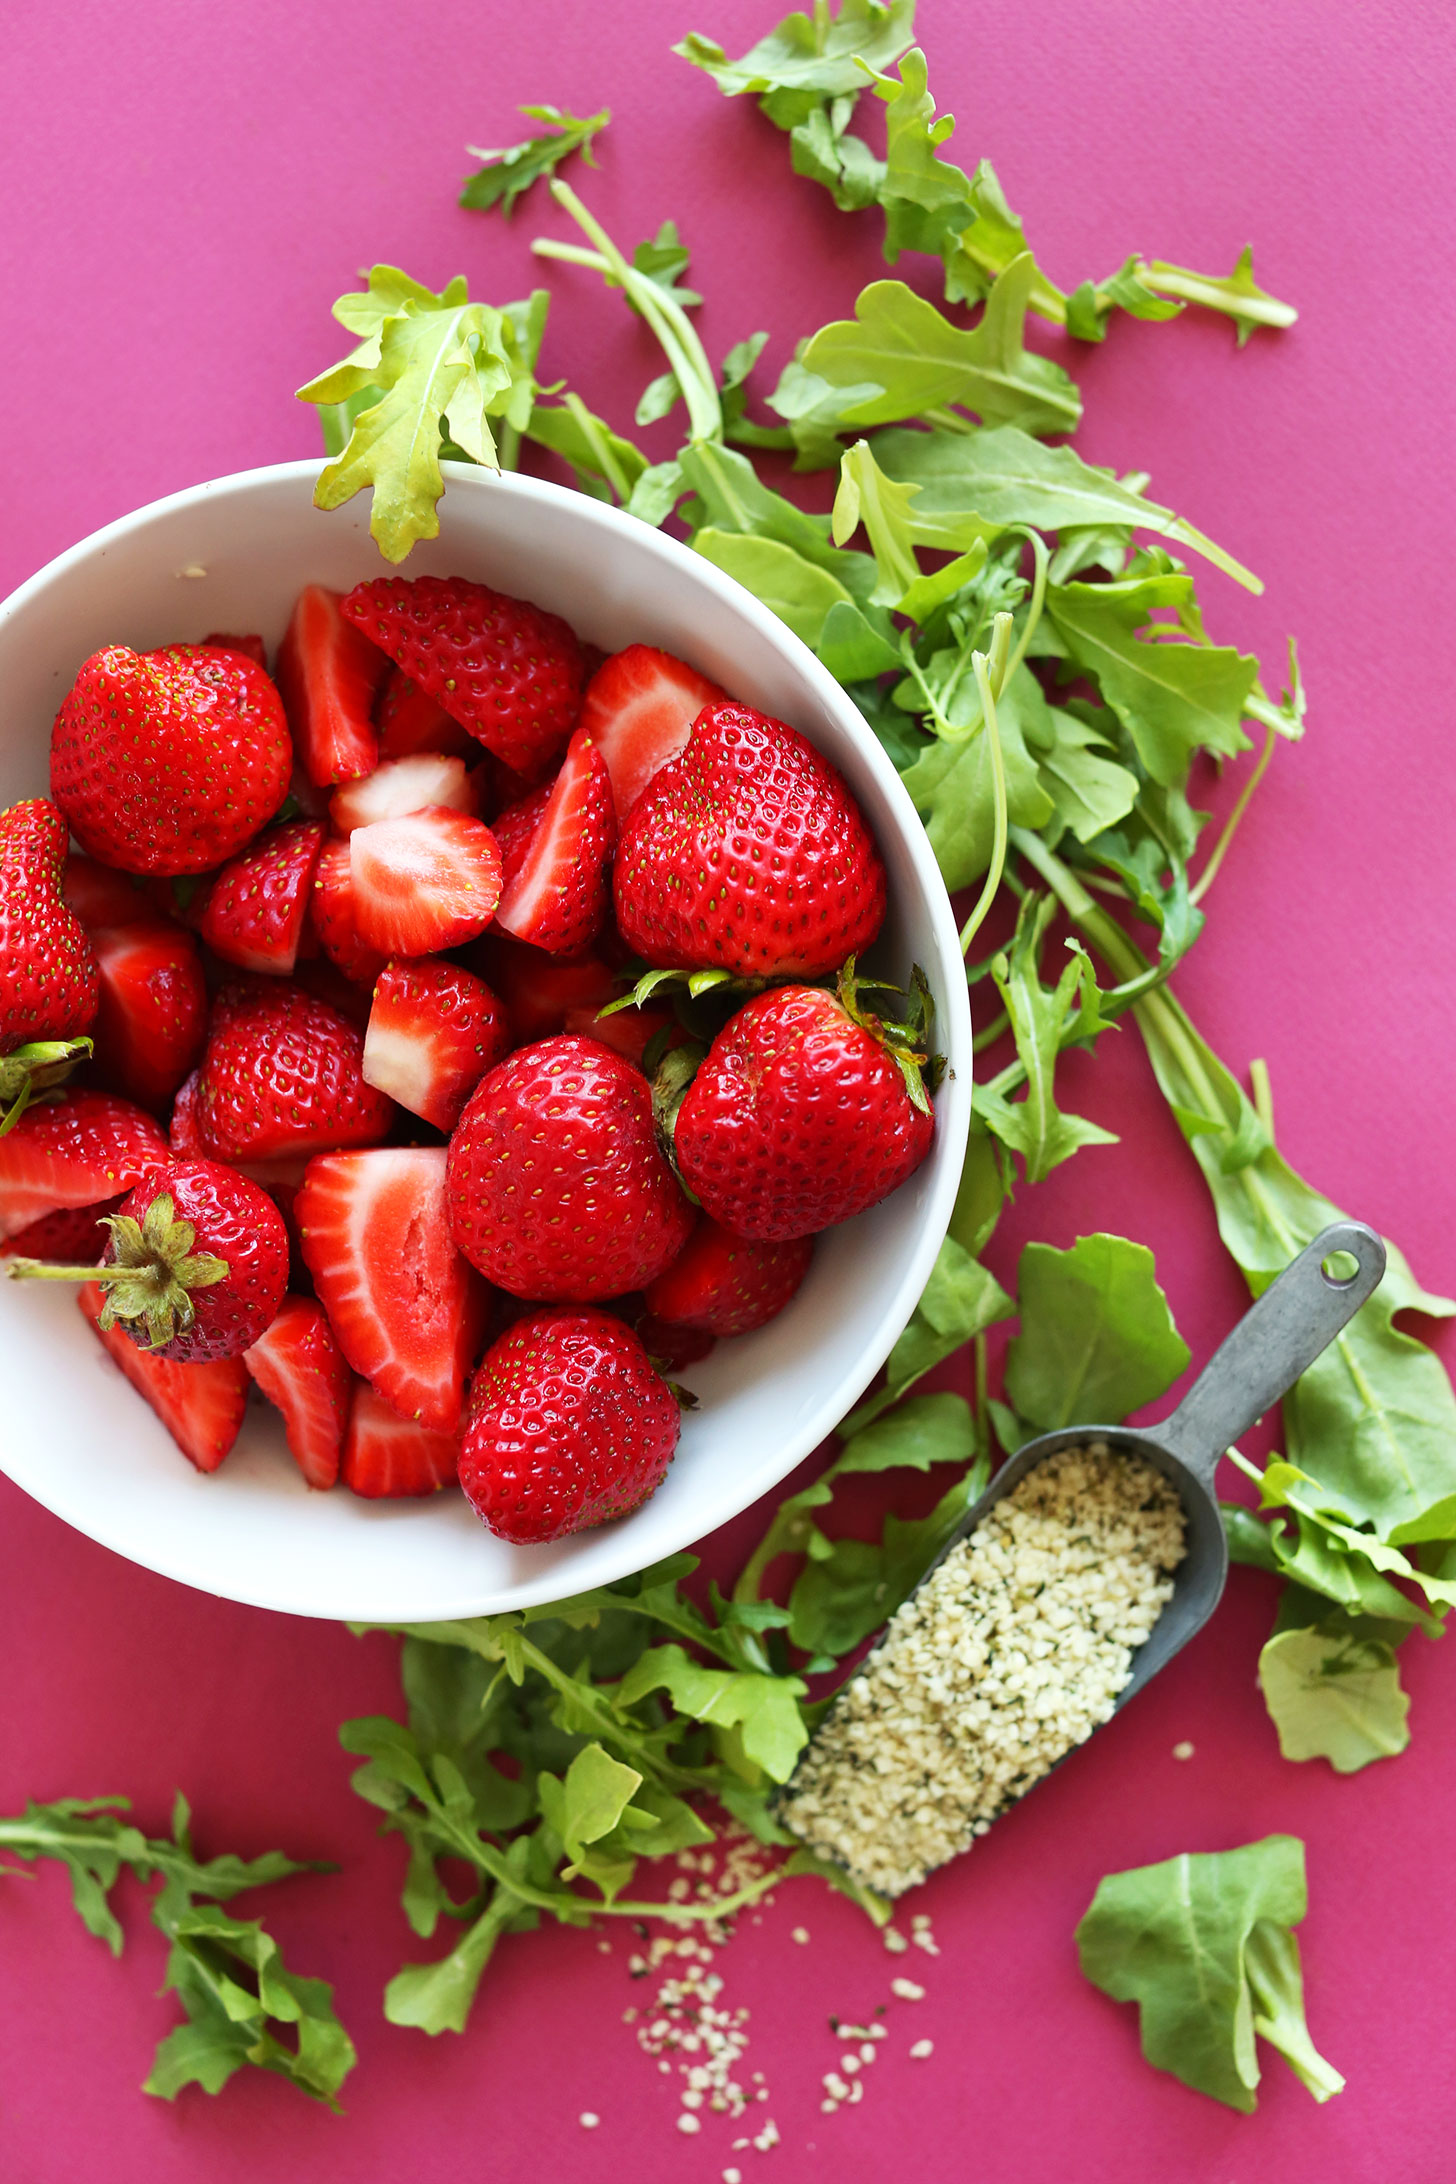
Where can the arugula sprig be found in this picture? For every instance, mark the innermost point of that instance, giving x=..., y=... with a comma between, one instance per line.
x=506, y=175
x=242, y=2003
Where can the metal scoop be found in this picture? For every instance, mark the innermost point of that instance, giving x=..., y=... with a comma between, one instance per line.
x=1278, y=1338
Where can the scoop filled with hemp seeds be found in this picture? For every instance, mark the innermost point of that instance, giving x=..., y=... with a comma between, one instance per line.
x=1095, y=1554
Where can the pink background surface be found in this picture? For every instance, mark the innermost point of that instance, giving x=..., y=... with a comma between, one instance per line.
x=187, y=190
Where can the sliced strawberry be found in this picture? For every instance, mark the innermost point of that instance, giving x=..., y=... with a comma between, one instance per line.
x=400, y=786
x=387, y=1457
x=151, y=1019
x=98, y=896
x=184, y=1133
x=408, y=721
x=326, y=982
x=74, y=1152
x=639, y=710
x=71, y=1236
x=252, y=647
x=540, y=990
x=423, y=883
x=407, y=1309
x=328, y=672
x=255, y=911
x=332, y=916
x=434, y=1031
x=300, y=1368
x=201, y=1406
x=557, y=886
x=514, y=827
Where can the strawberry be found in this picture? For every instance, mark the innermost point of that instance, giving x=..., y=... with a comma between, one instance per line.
x=509, y=671
x=727, y=1284
x=151, y=1019
x=201, y=1406
x=281, y=1074
x=625, y=1031
x=407, y=1310
x=639, y=710
x=169, y=761
x=538, y=989
x=748, y=854
x=556, y=880
x=196, y=1265
x=558, y=1189
x=673, y=1348
x=183, y=1133
x=71, y=1232
x=332, y=916
x=569, y=1426
x=328, y=674
x=515, y=824
x=83, y=1148
x=408, y=721
x=434, y=1031
x=800, y=1117
x=301, y=1369
x=255, y=911
x=422, y=883
x=400, y=786
x=47, y=968
x=252, y=647
x=99, y=896
x=387, y=1457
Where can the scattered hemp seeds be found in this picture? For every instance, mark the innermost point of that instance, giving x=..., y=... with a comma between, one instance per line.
x=1013, y=1651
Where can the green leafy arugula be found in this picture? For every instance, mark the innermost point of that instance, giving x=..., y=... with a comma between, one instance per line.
x=1097, y=1340
x=506, y=175
x=1333, y=1694
x=242, y=2003
x=1203, y=1943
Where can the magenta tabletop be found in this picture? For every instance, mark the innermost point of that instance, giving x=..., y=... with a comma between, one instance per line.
x=186, y=191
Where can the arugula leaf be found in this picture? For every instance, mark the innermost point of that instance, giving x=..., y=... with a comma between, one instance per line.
x=87, y=1837
x=1202, y=1944
x=438, y=363
x=961, y=1300
x=1097, y=1339
x=952, y=782
x=849, y=1587
x=1156, y=290
x=761, y=1709
x=1043, y=1020
x=803, y=62
x=507, y=175
x=606, y=466
x=1334, y=1695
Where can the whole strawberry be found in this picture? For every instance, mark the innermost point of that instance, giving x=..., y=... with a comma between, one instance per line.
x=169, y=761
x=282, y=1073
x=726, y=1284
x=196, y=1266
x=557, y=1186
x=802, y=1114
x=748, y=854
x=507, y=670
x=569, y=1425
x=47, y=968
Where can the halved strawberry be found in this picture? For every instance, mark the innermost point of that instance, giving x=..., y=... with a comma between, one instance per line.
x=151, y=1018
x=251, y=647
x=256, y=908
x=328, y=672
x=387, y=1457
x=408, y=721
x=423, y=883
x=332, y=916
x=72, y=1235
x=399, y=786
x=540, y=990
x=408, y=1311
x=434, y=1031
x=82, y=1148
x=98, y=896
x=301, y=1369
x=201, y=1406
x=183, y=1132
x=639, y=710
x=556, y=891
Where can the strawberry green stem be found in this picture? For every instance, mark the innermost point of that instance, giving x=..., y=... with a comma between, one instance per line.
x=35, y=1069
x=149, y=1278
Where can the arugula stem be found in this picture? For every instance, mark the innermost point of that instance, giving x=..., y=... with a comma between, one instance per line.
x=1263, y=1094
x=1038, y=601
x=1220, y=848
x=600, y=447
x=997, y=865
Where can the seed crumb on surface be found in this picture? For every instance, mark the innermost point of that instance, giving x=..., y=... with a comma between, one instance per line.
x=732, y=2176
x=1183, y=1750
x=1010, y=1654
x=921, y=2049
x=688, y=2123
x=587, y=2120
x=895, y=1941
x=800, y=1934
x=908, y=1990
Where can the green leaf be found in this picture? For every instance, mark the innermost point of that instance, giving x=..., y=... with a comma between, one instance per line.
x=1043, y=1020
x=850, y=1587
x=764, y=1709
x=915, y=360
x=606, y=465
x=87, y=1836
x=1173, y=698
x=1097, y=1339
x=1089, y=793
x=235, y=1987
x=802, y=61
x=1006, y=477
x=961, y=1300
x=507, y=175
x=1201, y=1943
x=800, y=594
x=926, y=1430
x=597, y=1791
x=1334, y=1696
x=1156, y=290
x=438, y=1997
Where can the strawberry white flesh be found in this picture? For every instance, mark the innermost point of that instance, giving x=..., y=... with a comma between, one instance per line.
x=84, y=1148
x=434, y=1030
x=300, y=1368
x=639, y=710
x=387, y=1457
x=407, y=1309
x=425, y=882
x=401, y=786
x=201, y=1406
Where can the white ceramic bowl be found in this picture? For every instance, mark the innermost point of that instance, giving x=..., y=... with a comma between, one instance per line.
x=232, y=555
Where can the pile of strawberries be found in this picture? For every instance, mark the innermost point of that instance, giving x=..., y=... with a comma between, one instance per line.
x=453, y=982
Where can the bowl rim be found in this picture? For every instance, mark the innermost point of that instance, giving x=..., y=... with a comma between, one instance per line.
x=953, y=1022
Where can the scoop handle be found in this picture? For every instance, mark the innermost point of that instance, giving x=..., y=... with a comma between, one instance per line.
x=1278, y=1338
